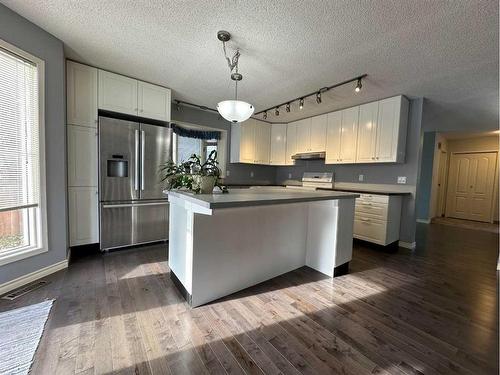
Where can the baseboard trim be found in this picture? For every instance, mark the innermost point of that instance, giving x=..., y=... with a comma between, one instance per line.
x=407, y=245
x=424, y=221
x=29, y=278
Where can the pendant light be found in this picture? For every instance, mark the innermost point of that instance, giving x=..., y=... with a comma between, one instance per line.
x=233, y=110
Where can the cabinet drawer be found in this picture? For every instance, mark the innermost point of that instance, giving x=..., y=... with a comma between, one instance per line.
x=376, y=209
x=374, y=198
x=370, y=229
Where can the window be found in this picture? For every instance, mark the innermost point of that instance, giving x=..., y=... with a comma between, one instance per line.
x=22, y=199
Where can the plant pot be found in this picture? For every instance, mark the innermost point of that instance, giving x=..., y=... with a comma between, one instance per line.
x=204, y=183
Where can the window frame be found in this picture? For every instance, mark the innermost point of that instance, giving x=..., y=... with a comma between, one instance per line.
x=38, y=215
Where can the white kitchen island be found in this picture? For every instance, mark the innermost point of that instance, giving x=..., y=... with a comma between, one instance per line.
x=222, y=243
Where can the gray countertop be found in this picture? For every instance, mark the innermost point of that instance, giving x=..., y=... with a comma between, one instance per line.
x=259, y=197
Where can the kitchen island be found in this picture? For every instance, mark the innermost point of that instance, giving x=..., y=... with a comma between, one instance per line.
x=222, y=243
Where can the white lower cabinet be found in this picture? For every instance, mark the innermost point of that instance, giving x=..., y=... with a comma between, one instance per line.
x=377, y=218
x=83, y=215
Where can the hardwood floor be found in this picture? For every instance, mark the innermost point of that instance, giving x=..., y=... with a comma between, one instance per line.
x=431, y=311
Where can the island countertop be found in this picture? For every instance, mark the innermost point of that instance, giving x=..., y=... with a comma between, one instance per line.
x=259, y=197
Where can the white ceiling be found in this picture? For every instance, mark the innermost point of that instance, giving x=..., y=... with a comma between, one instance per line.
x=445, y=51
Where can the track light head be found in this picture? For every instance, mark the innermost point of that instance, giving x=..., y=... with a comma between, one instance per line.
x=301, y=103
x=318, y=97
x=358, y=86
x=277, y=111
x=264, y=116
x=287, y=107
x=178, y=106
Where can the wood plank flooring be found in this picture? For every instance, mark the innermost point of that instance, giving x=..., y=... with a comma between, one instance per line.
x=430, y=311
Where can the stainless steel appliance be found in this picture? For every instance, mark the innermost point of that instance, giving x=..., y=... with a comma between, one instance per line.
x=314, y=181
x=309, y=155
x=133, y=209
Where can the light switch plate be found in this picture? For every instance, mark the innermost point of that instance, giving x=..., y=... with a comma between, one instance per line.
x=289, y=176
x=401, y=179
x=251, y=174
x=227, y=173
x=361, y=177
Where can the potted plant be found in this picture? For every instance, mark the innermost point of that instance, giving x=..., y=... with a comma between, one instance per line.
x=193, y=174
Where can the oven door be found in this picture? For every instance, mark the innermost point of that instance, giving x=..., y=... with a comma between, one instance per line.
x=133, y=223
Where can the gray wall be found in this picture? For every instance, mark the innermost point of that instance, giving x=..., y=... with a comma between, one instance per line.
x=425, y=182
x=23, y=34
x=376, y=174
x=239, y=173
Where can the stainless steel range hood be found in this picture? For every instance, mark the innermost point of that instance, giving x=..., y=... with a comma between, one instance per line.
x=309, y=155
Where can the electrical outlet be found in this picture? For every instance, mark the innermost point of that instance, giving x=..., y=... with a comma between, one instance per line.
x=251, y=174
x=227, y=173
x=289, y=176
x=361, y=177
x=401, y=179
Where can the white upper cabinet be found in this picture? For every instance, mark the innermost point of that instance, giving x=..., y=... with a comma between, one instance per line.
x=333, y=137
x=392, y=122
x=117, y=93
x=262, y=142
x=318, y=133
x=349, y=135
x=153, y=101
x=278, y=144
x=243, y=142
x=81, y=98
x=82, y=156
x=367, y=132
x=291, y=142
x=304, y=135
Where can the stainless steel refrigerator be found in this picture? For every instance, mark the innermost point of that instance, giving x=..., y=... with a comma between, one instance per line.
x=133, y=209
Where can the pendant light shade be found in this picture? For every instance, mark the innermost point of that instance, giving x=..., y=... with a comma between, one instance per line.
x=235, y=110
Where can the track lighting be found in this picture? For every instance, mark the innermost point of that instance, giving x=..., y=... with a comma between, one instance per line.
x=358, y=86
x=318, y=97
x=287, y=108
x=178, y=106
x=301, y=103
x=264, y=116
x=277, y=111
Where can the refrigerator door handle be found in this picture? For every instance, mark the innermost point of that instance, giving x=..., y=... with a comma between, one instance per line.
x=122, y=205
x=143, y=146
x=136, y=171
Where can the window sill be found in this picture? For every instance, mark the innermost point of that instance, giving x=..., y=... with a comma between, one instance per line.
x=16, y=254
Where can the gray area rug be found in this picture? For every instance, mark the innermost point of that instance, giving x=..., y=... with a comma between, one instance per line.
x=20, y=333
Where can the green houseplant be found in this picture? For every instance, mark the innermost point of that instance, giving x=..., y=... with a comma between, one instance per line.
x=193, y=174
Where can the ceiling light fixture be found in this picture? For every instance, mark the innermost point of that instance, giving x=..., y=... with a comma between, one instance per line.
x=318, y=97
x=233, y=110
x=264, y=116
x=287, y=107
x=277, y=111
x=358, y=86
x=301, y=103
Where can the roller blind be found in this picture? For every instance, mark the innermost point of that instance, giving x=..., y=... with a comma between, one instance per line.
x=19, y=133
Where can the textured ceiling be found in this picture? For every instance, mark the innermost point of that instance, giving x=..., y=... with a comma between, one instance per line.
x=445, y=51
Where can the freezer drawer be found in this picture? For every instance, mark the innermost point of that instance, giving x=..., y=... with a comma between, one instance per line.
x=133, y=223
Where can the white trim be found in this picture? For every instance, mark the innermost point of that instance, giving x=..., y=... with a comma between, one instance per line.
x=376, y=188
x=33, y=276
x=407, y=245
x=424, y=221
x=15, y=254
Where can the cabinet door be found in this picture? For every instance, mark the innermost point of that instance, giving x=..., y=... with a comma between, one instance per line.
x=318, y=133
x=278, y=144
x=367, y=133
x=117, y=93
x=333, y=137
x=83, y=217
x=247, y=141
x=304, y=135
x=349, y=135
x=262, y=142
x=291, y=142
x=82, y=156
x=81, y=95
x=387, y=129
x=153, y=101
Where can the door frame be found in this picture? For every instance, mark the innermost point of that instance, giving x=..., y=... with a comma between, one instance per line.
x=443, y=192
x=495, y=181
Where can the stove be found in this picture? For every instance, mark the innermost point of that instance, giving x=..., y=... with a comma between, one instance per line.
x=314, y=181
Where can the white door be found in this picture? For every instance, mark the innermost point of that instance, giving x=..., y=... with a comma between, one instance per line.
x=262, y=142
x=349, y=135
x=82, y=156
x=117, y=93
x=471, y=185
x=318, y=133
x=291, y=142
x=278, y=144
x=81, y=94
x=83, y=217
x=247, y=141
x=304, y=135
x=367, y=133
x=387, y=129
x=443, y=158
x=153, y=101
x=333, y=136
